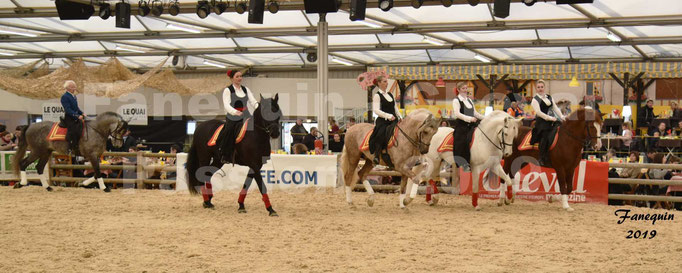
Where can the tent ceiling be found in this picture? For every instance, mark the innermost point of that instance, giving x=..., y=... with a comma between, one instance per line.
x=542, y=33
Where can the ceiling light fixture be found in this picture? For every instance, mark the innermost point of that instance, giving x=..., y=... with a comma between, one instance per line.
x=183, y=28
x=613, y=37
x=473, y=3
x=341, y=61
x=385, y=5
x=240, y=8
x=446, y=3
x=5, y=31
x=220, y=7
x=433, y=41
x=157, y=8
x=203, y=9
x=143, y=8
x=417, y=3
x=104, y=11
x=369, y=24
x=529, y=2
x=207, y=62
x=482, y=58
x=174, y=8
x=273, y=7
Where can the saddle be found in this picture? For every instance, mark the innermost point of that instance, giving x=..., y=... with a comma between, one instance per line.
x=242, y=132
x=364, y=146
x=57, y=132
x=525, y=143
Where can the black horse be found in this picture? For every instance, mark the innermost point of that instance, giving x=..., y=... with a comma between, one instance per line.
x=203, y=160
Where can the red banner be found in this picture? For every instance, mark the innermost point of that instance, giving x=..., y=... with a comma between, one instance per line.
x=534, y=183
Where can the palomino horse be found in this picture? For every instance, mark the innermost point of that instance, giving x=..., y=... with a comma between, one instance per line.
x=92, y=145
x=491, y=141
x=416, y=131
x=580, y=128
x=204, y=160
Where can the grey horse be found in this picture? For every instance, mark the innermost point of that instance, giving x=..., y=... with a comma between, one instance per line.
x=91, y=145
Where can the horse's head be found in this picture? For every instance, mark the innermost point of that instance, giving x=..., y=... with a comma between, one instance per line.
x=112, y=125
x=509, y=133
x=268, y=116
x=426, y=129
x=591, y=122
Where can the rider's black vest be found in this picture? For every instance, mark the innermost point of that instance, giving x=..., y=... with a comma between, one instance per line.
x=385, y=105
x=237, y=102
x=544, y=107
x=464, y=110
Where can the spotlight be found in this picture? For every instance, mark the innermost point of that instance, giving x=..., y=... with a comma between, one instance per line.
x=104, y=11
x=203, y=9
x=157, y=8
x=240, y=8
x=273, y=7
x=385, y=5
x=529, y=2
x=143, y=8
x=473, y=3
x=446, y=3
x=417, y=3
x=174, y=9
x=220, y=7
x=614, y=37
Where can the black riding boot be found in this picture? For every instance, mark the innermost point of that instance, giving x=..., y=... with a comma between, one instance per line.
x=226, y=145
x=544, y=153
x=377, y=156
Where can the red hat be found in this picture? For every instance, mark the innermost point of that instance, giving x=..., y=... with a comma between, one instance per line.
x=230, y=73
x=375, y=82
x=455, y=90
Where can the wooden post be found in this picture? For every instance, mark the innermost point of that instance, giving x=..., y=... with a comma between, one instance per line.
x=141, y=174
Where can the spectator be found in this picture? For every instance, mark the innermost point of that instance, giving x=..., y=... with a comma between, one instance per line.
x=309, y=139
x=676, y=112
x=350, y=123
x=6, y=143
x=653, y=157
x=609, y=155
x=17, y=134
x=298, y=132
x=333, y=126
x=128, y=141
x=625, y=173
x=678, y=130
x=336, y=145
x=3, y=128
x=299, y=149
x=646, y=115
x=627, y=134
x=444, y=123
x=514, y=110
x=632, y=172
x=511, y=97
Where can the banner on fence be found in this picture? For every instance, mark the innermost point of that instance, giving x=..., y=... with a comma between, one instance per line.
x=52, y=111
x=534, y=183
x=6, y=163
x=281, y=172
x=135, y=114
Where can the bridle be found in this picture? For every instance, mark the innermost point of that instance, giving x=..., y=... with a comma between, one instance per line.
x=587, y=140
x=119, y=127
x=418, y=142
x=267, y=128
x=502, y=145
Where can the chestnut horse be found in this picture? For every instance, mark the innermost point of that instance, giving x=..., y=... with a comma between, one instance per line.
x=580, y=128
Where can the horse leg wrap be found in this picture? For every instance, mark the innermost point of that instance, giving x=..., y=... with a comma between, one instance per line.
x=509, y=192
x=433, y=184
x=428, y=194
x=100, y=182
x=23, y=179
x=43, y=180
x=474, y=199
x=242, y=196
x=266, y=200
x=207, y=191
x=89, y=181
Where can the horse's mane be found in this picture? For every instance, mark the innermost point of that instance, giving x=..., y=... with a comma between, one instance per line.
x=493, y=116
x=108, y=114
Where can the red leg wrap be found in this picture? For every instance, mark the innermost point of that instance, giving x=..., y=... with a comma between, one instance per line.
x=474, y=199
x=433, y=184
x=266, y=200
x=428, y=194
x=207, y=191
x=242, y=196
x=509, y=192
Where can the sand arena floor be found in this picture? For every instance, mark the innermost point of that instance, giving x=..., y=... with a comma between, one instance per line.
x=85, y=230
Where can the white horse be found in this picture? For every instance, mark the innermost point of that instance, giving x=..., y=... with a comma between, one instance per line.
x=492, y=141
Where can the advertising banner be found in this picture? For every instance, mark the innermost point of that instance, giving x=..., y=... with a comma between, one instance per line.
x=534, y=183
x=52, y=111
x=135, y=114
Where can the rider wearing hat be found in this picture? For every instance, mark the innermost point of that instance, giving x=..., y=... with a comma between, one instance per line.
x=546, y=114
x=235, y=99
x=466, y=121
x=384, y=106
x=73, y=116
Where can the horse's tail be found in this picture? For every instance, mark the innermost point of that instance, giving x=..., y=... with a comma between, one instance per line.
x=192, y=167
x=21, y=152
x=349, y=174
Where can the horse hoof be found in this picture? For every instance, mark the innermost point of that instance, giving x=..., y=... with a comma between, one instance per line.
x=208, y=205
x=107, y=190
x=477, y=208
x=569, y=209
x=500, y=203
x=17, y=186
x=241, y=211
x=508, y=202
x=273, y=214
x=49, y=188
x=370, y=202
x=434, y=201
x=407, y=201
